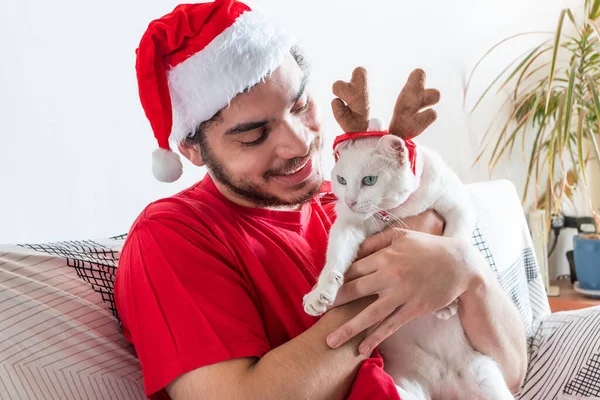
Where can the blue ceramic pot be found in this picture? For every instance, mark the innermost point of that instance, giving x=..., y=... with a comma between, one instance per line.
x=587, y=262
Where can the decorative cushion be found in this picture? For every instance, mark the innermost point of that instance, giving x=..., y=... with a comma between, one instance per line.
x=564, y=360
x=59, y=337
x=503, y=236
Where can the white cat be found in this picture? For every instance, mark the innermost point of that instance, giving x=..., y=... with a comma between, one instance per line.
x=376, y=183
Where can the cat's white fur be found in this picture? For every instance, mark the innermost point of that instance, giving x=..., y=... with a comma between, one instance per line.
x=429, y=357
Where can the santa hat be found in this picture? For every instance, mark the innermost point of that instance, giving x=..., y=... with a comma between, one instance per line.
x=375, y=130
x=192, y=62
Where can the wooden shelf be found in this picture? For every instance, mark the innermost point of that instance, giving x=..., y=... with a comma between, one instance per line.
x=569, y=299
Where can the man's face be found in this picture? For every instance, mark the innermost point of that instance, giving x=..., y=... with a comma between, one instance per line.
x=264, y=150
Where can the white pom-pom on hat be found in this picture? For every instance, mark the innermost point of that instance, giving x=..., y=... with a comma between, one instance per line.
x=166, y=165
x=375, y=124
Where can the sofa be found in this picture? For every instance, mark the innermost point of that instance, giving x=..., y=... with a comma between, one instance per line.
x=60, y=336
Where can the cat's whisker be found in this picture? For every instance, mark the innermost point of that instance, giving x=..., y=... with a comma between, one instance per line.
x=395, y=221
x=379, y=199
x=402, y=224
x=402, y=208
x=372, y=218
x=394, y=218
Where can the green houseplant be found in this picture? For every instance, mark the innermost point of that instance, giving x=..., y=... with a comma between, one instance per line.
x=554, y=101
x=555, y=105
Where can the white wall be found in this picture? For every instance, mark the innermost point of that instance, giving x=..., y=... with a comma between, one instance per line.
x=75, y=145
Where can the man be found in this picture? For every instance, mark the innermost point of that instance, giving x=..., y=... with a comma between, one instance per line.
x=210, y=282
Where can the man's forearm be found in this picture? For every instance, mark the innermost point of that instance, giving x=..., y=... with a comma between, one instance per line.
x=305, y=367
x=492, y=323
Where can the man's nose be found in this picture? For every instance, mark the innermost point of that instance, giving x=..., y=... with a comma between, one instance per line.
x=295, y=141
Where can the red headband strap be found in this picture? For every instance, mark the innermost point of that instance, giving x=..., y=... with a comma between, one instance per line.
x=410, y=145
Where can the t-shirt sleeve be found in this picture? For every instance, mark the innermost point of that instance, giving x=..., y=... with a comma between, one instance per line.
x=182, y=303
x=372, y=382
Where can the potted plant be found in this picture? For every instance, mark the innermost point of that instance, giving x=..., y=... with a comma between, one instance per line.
x=555, y=104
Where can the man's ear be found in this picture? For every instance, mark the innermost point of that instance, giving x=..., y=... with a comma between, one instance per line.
x=192, y=153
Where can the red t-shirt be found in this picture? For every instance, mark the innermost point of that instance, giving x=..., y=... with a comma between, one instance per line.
x=203, y=280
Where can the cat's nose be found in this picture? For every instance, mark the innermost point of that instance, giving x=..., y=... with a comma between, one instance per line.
x=350, y=203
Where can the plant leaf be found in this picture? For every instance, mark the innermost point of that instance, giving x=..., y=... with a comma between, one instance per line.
x=530, y=120
x=492, y=124
x=521, y=64
x=595, y=27
x=571, y=17
x=569, y=105
x=492, y=84
x=571, y=152
x=594, y=92
x=505, y=129
x=595, y=8
x=551, y=159
x=558, y=129
x=580, y=144
x=555, y=53
x=487, y=53
x=511, y=139
x=535, y=155
x=522, y=76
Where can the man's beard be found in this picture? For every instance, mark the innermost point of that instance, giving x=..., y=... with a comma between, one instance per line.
x=252, y=192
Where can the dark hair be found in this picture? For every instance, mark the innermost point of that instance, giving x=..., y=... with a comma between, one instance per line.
x=197, y=137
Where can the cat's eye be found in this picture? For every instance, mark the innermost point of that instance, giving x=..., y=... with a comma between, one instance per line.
x=341, y=180
x=369, y=180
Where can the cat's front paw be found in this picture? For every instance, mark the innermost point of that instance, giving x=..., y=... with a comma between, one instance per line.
x=448, y=312
x=336, y=278
x=315, y=303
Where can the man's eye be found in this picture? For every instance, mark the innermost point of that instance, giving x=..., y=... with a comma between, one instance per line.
x=301, y=105
x=263, y=136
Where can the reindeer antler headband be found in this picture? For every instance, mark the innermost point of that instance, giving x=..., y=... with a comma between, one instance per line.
x=410, y=118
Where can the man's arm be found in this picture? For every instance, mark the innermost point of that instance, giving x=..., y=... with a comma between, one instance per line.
x=303, y=368
x=492, y=322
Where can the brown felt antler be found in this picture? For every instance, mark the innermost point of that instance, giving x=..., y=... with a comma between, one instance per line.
x=408, y=120
x=351, y=107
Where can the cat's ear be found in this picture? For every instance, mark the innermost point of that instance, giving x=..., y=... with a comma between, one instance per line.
x=391, y=146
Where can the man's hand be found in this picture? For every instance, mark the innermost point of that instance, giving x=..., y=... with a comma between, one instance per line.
x=412, y=274
x=428, y=222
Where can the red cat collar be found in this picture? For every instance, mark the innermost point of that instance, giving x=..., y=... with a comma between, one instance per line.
x=410, y=145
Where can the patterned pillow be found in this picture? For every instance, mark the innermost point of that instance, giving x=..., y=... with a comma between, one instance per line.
x=565, y=357
x=503, y=237
x=59, y=337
